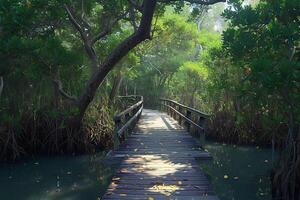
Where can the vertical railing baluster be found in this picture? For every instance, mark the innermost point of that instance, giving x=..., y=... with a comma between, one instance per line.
x=201, y=133
x=168, y=108
x=172, y=111
x=180, y=118
x=127, y=117
x=187, y=123
x=118, y=125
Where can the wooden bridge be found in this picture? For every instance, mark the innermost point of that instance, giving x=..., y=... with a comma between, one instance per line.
x=160, y=160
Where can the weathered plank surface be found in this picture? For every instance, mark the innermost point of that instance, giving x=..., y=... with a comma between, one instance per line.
x=159, y=161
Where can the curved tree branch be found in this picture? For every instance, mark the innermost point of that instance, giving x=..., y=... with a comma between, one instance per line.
x=293, y=51
x=100, y=35
x=132, y=17
x=83, y=17
x=59, y=87
x=86, y=41
x=136, y=6
x=108, y=29
x=75, y=23
x=142, y=33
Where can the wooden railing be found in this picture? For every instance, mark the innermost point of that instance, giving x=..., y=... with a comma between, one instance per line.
x=192, y=119
x=127, y=119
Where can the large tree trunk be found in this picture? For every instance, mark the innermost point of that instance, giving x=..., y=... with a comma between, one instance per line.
x=117, y=54
x=142, y=33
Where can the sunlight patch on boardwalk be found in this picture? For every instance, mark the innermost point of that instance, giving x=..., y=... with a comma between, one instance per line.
x=160, y=161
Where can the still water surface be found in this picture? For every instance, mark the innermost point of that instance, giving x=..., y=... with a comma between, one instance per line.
x=237, y=173
x=67, y=177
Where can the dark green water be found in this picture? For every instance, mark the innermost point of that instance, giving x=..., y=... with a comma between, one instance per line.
x=239, y=172
x=67, y=177
x=86, y=177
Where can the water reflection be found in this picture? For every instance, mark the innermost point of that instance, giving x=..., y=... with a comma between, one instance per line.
x=74, y=177
x=239, y=173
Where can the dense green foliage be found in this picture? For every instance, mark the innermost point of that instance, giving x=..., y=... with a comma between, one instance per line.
x=248, y=79
x=55, y=54
x=172, y=45
x=39, y=49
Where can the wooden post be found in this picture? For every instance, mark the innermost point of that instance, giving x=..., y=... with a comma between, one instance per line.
x=177, y=115
x=172, y=111
x=201, y=133
x=127, y=118
x=168, y=109
x=118, y=124
x=180, y=118
x=188, y=115
x=142, y=105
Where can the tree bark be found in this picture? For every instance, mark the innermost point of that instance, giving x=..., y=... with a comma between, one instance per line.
x=142, y=33
x=85, y=38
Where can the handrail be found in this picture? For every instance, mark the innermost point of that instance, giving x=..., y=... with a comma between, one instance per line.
x=189, y=108
x=187, y=119
x=191, y=116
x=128, y=110
x=126, y=119
x=128, y=123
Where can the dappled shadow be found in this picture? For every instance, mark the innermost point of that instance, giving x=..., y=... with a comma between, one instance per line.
x=159, y=162
x=156, y=121
x=162, y=177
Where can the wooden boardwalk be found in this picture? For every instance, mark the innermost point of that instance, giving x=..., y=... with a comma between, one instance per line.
x=160, y=161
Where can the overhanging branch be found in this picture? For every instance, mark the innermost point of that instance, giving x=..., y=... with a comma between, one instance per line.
x=142, y=33
x=58, y=86
x=75, y=23
x=135, y=5
x=132, y=17
x=108, y=29
x=100, y=35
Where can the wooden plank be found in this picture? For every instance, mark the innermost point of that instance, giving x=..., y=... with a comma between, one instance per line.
x=198, y=192
x=158, y=187
x=164, y=155
x=159, y=197
x=203, y=181
x=186, y=177
x=158, y=146
x=160, y=162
